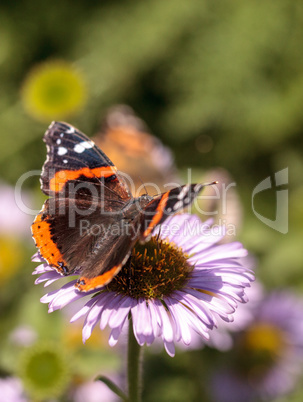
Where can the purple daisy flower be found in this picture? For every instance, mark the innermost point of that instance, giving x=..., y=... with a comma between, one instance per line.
x=268, y=355
x=178, y=282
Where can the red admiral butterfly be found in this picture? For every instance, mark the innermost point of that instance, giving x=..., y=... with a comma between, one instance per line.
x=90, y=222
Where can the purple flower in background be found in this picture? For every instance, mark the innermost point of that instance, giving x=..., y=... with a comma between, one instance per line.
x=178, y=282
x=268, y=355
x=23, y=335
x=13, y=221
x=11, y=390
x=93, y=391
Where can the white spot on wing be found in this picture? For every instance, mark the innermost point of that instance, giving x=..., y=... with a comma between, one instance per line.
x=198, y=187
x=178, y=205
x=58, y=141
x=183, y=192
x=82, y=146
x=64, y=160
x=70, y=130
x=62, y=151
x=61, y=135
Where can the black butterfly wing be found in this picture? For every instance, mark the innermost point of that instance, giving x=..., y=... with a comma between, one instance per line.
x=169, y=203
x=110, y=253
x=95, y=245
x=84, y=187
x=73, y=160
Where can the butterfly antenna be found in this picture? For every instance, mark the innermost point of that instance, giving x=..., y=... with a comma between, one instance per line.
x=146, y=192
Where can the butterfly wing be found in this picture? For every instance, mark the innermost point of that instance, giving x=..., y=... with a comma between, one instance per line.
x=110, y=253
x=169, y=203
x=85, y=190
x=74, y=160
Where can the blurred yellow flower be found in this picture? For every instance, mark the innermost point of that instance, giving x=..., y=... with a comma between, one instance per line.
x=11, y=255
x=53, y=90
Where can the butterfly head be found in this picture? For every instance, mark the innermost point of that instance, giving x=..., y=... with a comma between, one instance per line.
x=145, y=199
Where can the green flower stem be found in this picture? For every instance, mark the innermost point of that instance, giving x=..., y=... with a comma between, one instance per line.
x=134, y=366
x=113, y=387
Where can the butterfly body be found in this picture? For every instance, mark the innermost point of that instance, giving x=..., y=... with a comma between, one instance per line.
x=90, y=222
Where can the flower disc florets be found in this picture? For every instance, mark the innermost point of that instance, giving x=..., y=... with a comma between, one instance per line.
x=156, y=269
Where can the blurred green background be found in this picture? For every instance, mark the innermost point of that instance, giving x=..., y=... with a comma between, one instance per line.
x=220, y=83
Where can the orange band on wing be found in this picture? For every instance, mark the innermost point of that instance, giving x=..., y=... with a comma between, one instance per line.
x=48, y=250
x=157, y=217
x=63, y=176
x=85, y=284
